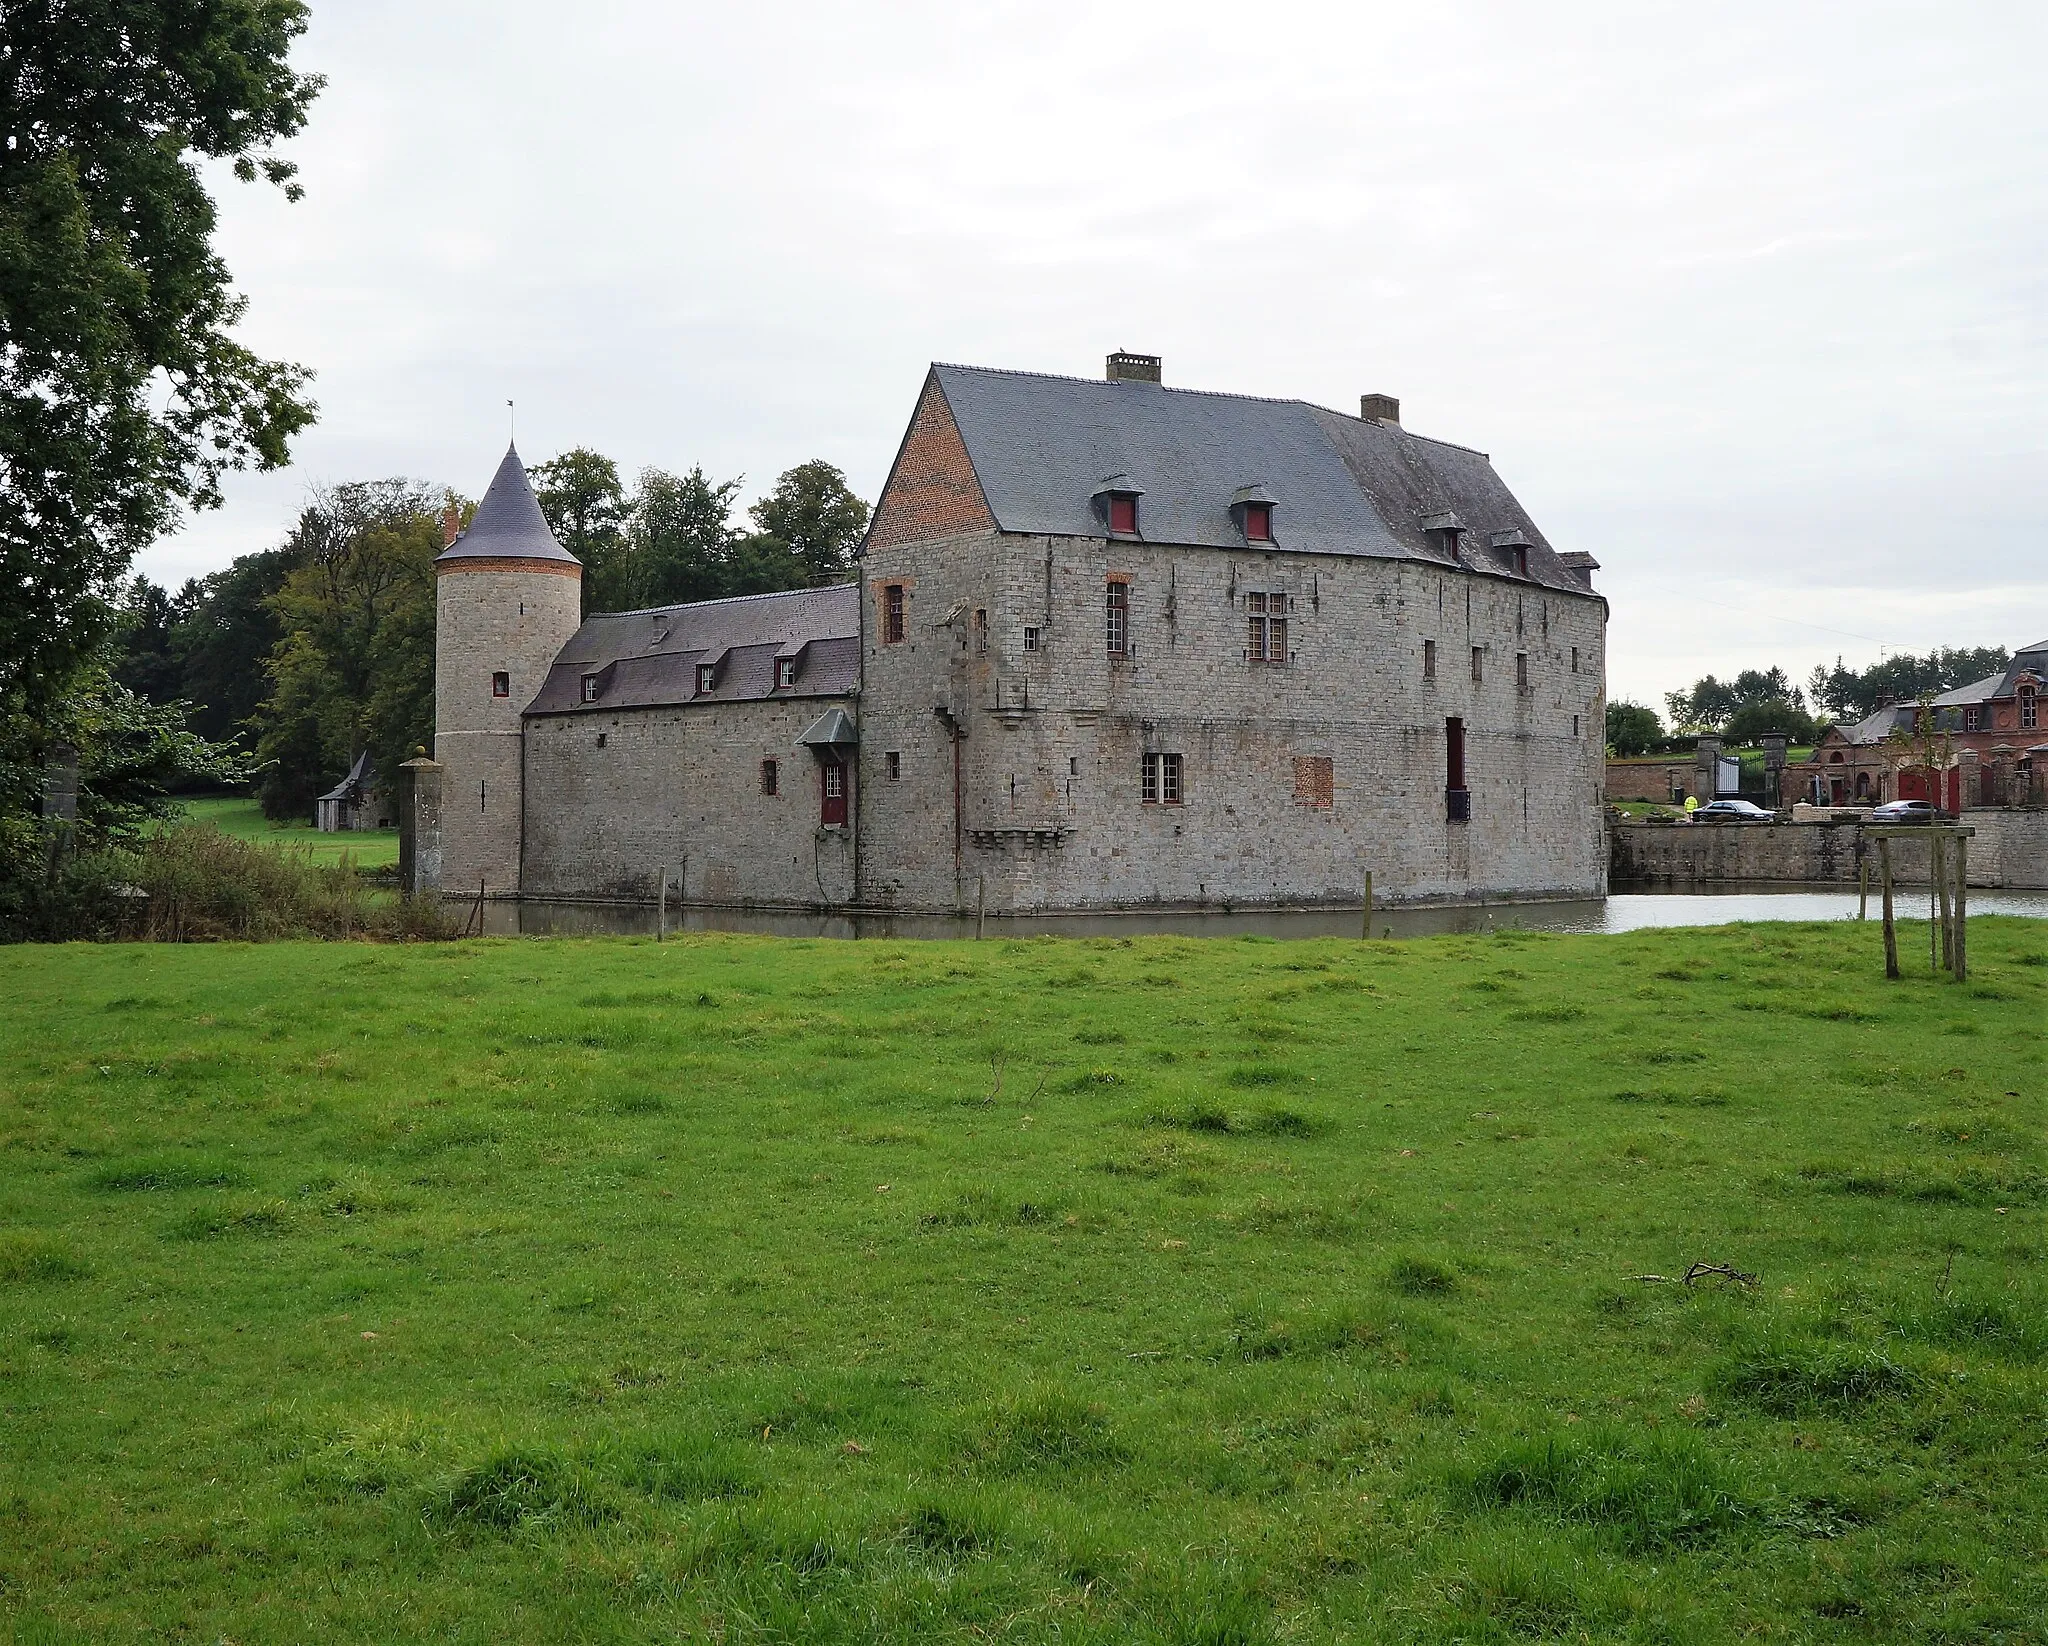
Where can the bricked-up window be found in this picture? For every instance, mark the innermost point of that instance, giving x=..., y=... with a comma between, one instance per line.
x=1030, y=638
x=785, y=672
x=590, y=688
x=1457, y=798
x=1429, y=660
x=707, y=677
x=1123, y=514
x=1478, y=664
x=892, y=762
x=1160, y=780
x=1266, y=626
x=1315, y=781
x=1258, y=522
x=1521, y=671
x=1116, y=606
x=892, y=613
x=771, y=777
x=501, y=684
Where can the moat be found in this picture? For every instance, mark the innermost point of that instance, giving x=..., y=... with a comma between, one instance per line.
x=1623, y=911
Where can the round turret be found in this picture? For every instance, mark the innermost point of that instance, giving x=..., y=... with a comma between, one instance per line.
x=507, y=598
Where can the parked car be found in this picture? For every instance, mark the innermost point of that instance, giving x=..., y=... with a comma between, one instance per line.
x=1732, y=811
x=1910, y=811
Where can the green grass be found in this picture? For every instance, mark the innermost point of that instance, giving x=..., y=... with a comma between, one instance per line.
x=1158, y=1290
x=243, y=819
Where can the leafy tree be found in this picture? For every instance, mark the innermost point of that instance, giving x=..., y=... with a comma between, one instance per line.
x=1853, y=694
x=224, y=641
x=814, y=518
x=123, y=395
x=681, y=542
x=1633, y=729
x=587, y=508
x=148, y=663
x=354, y=666
x=1708, y=704
x=1748, y=724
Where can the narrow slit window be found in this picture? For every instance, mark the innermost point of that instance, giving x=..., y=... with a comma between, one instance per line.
x=1117, y=617
x=1429, y=660
x=981, y=632
x=892, y=614
x=1575, y=660
x=1521, y=671
x=771, y=777
x=893, y=763
x=1478, y=664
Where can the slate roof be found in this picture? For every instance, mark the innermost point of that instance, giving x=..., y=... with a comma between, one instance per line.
x=645, y=658
x=1045, y=447
x=352, y=787
x=508, y=522
x=1877, y=727
x=1976, y=692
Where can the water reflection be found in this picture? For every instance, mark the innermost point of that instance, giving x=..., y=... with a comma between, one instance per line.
x=1621, y=912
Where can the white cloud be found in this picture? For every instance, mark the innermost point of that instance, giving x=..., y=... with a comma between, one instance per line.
x=1746, y=299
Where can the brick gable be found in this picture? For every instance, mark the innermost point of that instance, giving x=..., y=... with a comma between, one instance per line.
x=933, y=491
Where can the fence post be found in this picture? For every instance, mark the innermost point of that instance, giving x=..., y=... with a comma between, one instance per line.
x=1962, y=901
x=981, y=908
x=1863, y=889
x=1891, y=934
x=1368, y=903
x=661, y=908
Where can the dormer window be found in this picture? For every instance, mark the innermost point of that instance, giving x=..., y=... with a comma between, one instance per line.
x=590, y=688
x=1521, y=553
x=785, y=673
x=1117, y=501
x=707, y=677
x=1258, y=522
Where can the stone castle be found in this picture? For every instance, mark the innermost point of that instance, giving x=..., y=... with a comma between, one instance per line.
x=1112, y=645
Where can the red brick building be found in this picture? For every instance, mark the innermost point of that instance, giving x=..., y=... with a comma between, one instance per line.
x=1986, y=739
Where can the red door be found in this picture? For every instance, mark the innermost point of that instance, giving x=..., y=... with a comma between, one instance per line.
x=1955, y=790
x=833, y=779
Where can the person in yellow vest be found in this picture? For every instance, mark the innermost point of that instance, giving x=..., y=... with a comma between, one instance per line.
x=1692, y=804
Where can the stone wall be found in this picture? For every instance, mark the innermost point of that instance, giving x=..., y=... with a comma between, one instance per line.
x=2009, y=850
x=613, y=797
x=488, y=619
x=1660, y=778
x=1050, y=813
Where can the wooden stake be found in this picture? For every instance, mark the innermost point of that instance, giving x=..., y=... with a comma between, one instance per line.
x=1368, y=903
x=661, y=908
x=1891, y=933
x=1962, y=910
x=1934, y=901
x=1943, y=860
x=981, y=909
x=1863, y=889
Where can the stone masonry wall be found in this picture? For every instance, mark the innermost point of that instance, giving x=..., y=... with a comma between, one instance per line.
x=485, y=621
x=2009, y=849
x=1050, y=811
x=681, y=786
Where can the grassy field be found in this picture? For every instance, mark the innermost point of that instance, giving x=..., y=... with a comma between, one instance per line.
x=1154, y=1290
x=243, y=818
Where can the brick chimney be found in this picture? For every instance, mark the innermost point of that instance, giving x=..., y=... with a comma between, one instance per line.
x=1380, y=408
x=451, y=522
x=1126, y=367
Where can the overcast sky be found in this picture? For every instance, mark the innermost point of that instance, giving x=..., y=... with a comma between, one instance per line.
x=1750, y=301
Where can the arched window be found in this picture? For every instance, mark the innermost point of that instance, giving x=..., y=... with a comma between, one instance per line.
x=1863, y=785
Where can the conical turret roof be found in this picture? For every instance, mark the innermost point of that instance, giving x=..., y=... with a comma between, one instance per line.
x=508, y=523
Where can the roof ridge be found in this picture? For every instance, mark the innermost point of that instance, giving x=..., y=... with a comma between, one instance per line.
x=725, y=600
x=1107, y=382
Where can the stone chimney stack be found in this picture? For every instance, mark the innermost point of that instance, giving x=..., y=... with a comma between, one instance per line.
x=451, y=522
x=1126, y=367
x=1380, y=408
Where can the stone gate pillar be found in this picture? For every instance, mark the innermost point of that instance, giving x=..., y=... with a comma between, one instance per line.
x=419, y=828
x=1706, y=777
